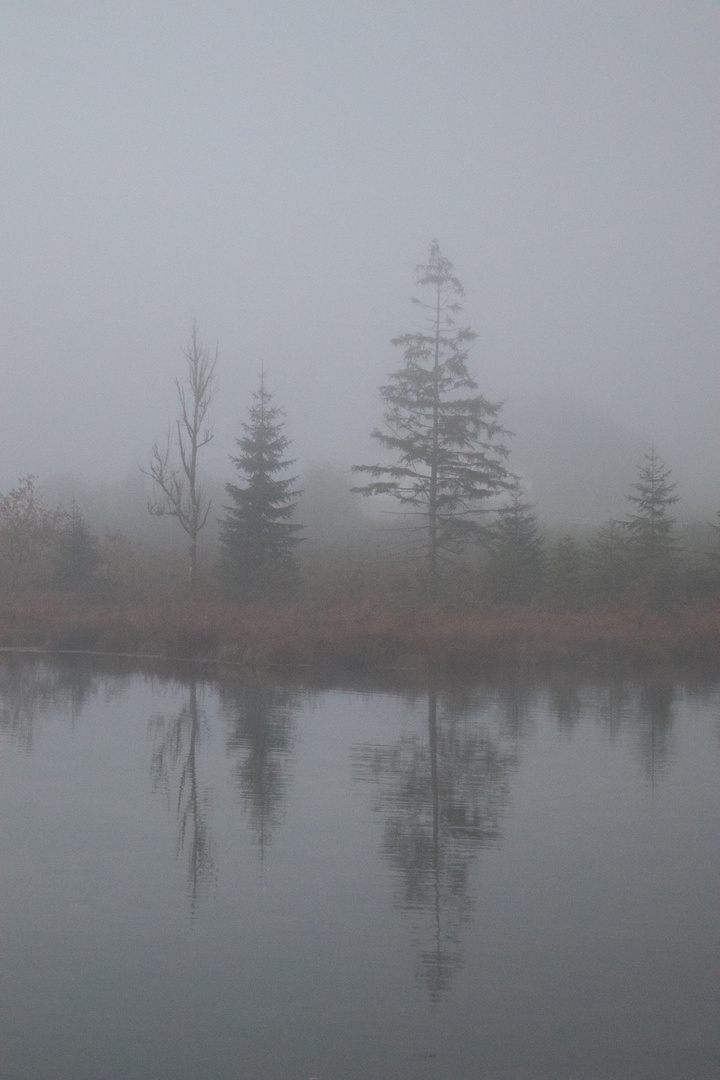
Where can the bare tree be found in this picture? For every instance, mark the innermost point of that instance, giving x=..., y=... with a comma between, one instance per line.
x=178, y=493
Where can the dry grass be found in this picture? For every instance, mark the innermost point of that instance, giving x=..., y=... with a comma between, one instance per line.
x=360, y=635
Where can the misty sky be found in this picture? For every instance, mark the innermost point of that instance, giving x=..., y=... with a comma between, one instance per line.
x=277, y=169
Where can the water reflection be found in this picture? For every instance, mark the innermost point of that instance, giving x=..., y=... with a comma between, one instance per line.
x=443, y=793
x=175, y=761
x=259, y=742
x=260, y=716
x=32, y=687
x=656, y=715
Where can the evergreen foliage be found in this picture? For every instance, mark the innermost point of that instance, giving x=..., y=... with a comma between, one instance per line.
x=443, y=436
x=610, y=572
x=652, y=534
x=565, y=585
x=77, y=554
x=258, y=534
x=513, y=574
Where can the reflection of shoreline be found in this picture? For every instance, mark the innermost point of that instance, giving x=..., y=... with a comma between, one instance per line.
x=32, y=687
x=443, y=793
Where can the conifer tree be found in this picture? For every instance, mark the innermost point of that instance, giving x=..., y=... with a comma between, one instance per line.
x=257, y=534
x=565, y=575
x=610, y=573
x=514, y=570
x=442, y=437
x=652, y=533
x=77, y=553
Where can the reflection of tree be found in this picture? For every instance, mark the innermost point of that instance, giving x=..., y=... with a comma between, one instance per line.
x=176, y=748
x=443, y=792
x=260, y=740
x=565, y=700
x=655, y=715
x=31, y=688
x=641, y=704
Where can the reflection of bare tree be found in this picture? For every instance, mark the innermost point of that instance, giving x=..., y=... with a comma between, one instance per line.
x=444, y=793
x=31, y=688
x=260, y=740
x=176, y=751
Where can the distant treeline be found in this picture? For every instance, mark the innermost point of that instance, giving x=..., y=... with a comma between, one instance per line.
x=464, y=535
x=642, y=559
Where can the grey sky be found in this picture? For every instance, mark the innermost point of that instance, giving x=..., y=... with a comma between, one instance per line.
x=276, y=170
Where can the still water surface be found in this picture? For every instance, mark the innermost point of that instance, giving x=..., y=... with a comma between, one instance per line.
x=209, y=876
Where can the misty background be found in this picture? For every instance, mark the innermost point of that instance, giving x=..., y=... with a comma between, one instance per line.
x=275, y=170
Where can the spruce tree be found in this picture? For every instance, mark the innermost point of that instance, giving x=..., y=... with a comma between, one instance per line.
x=610, y=573
x=257, y=534
x=652, y=534
x=77, y=554
x=442, y=436
x=565, y=585
x=514, y=570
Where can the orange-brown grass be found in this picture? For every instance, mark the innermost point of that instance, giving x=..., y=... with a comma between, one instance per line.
x=358, y=635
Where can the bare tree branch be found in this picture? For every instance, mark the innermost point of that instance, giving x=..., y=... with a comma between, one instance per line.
x=179, y=493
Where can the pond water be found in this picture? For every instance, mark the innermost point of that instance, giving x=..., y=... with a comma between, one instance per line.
x=205, y=875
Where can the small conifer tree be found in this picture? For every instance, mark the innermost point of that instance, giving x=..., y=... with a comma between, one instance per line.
x=610, y=574
x=513, y=573
x=257, y=534
x=652, y=534
x=565, y=586
x=77, y=553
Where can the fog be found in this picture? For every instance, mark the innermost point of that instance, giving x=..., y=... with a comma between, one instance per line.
x=276, y=170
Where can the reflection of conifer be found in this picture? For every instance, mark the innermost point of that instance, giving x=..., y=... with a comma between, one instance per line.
x=655, y=714
x=260, y=739
x=443, y=794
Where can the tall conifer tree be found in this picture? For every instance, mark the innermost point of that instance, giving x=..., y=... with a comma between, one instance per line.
x=257, y=534
x=441, y=435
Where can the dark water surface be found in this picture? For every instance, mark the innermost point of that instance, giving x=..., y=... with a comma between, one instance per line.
x=209, y=876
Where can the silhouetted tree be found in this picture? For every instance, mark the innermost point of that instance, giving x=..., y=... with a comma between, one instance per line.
x=652, y=534
x=257, y=534
x=441, y=434
x=179, y=492
x=513, y=574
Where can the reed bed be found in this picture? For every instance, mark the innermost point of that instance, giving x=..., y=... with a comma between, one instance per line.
x=361, y=635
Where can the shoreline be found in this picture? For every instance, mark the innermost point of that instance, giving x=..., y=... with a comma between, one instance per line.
x=360, y=637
